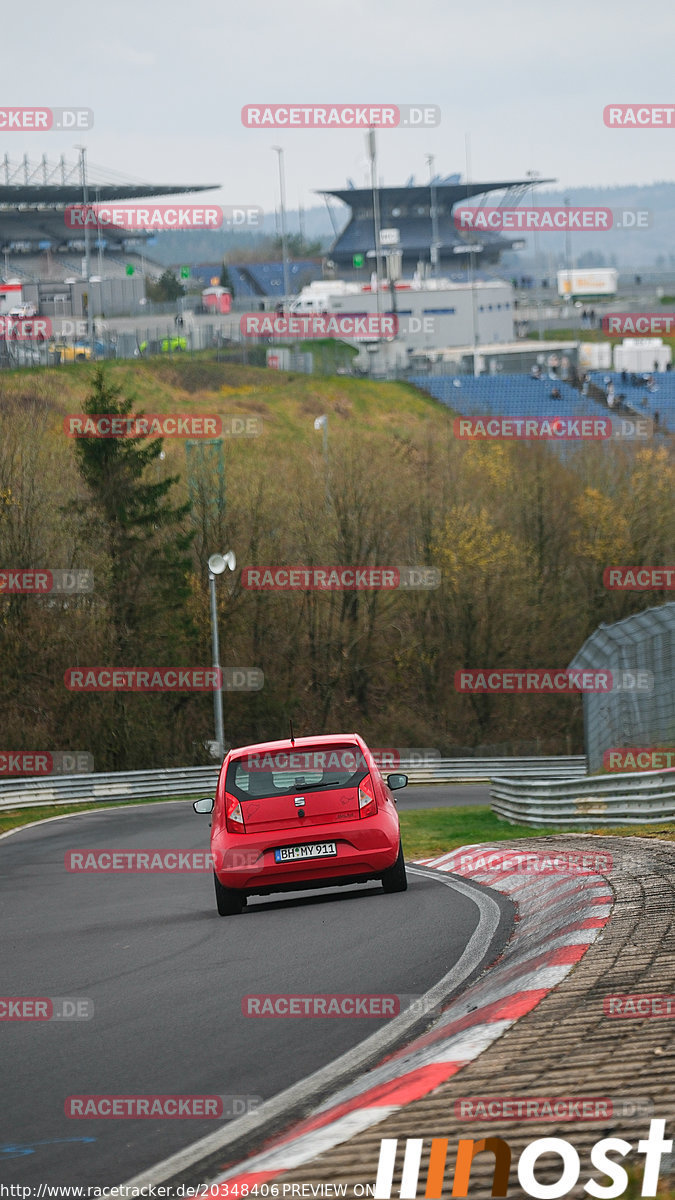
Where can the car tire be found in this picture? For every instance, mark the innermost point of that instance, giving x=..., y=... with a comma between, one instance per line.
x=394, y=879
x=228, y=901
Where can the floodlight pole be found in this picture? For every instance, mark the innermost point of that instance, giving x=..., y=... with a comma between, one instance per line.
x=87, y=255
x=372, y=150
x=218, y=694
x=284, y=249
x=434, y=216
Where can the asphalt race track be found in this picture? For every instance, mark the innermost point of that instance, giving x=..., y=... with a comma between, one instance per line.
x=444, y=795
x=167, y=977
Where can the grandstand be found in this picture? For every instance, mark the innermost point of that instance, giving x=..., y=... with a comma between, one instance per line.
x=660, y=399
x=35, y=243
x=409, y=209
x=525, y=396
x=262, y=279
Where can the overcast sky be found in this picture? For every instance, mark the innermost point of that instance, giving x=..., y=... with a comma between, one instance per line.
x=527, y=81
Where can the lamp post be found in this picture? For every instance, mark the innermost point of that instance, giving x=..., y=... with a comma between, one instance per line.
x=282, y=196
x=434, y=216
x=87, y=254
x=217, y=564
x=322, y=423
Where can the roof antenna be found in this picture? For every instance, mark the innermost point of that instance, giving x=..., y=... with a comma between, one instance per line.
x=290, y=725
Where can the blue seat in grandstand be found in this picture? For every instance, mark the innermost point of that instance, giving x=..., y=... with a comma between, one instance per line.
x=523, y=396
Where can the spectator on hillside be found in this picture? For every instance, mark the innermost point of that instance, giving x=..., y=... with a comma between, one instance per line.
x=556, y=394
x=624, y=376
x=610, y=396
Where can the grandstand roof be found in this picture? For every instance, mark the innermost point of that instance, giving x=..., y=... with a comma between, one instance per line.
x=71, y=193
x=48, y=224
x=444, y=193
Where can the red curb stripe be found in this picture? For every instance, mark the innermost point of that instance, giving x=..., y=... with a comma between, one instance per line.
x=569, y=954
x=250, y=1177
x=507, y=1008
x=400, y=1091
x=589, y=923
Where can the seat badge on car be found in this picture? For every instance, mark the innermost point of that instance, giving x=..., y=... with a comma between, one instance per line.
x=299, y=801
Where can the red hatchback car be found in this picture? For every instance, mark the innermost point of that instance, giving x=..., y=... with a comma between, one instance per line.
x=312, y=812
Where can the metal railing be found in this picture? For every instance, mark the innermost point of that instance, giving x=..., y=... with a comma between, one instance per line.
x=627, y=799
x=194, y=781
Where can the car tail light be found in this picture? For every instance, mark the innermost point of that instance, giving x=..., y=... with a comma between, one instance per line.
x=367, y=801
x=234, y=818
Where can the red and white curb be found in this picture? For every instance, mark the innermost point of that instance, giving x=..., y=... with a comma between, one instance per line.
x=558, y=918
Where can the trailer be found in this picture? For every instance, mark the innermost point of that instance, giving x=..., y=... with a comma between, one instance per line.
x=597, y=284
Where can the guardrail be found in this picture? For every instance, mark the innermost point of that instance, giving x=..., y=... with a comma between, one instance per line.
x=627, y=799
x=193, y=781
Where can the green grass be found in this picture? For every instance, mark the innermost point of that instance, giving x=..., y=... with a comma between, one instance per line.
x=14, y=818
x=430, y=831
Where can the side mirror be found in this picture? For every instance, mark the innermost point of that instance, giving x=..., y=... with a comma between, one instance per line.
x=205, y=805
x=396, y=781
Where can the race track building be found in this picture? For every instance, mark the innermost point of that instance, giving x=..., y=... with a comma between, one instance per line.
x=409, y=210
x=38, y=248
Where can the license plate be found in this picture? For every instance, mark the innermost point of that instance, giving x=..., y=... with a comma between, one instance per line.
x=310, y=850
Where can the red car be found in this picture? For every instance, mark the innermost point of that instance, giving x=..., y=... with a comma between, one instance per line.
x=312, y=812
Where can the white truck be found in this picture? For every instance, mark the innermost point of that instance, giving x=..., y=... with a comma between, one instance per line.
x=597, y=284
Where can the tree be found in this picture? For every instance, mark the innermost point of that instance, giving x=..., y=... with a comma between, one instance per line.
x=166, y=289
x=225, y=280
x=147, y=587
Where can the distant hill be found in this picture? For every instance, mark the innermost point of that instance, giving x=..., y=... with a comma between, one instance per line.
x=650, y=248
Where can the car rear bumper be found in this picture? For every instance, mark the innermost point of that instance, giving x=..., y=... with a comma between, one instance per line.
x=247, y=863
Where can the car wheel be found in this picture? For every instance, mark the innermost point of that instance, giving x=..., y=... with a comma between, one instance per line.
x=394, y=879
x=229, y=902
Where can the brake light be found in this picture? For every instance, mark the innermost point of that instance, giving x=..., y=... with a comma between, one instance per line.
x=367, y=801
x=234, y=818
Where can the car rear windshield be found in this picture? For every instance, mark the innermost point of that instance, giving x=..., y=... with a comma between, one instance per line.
x=269, y=773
